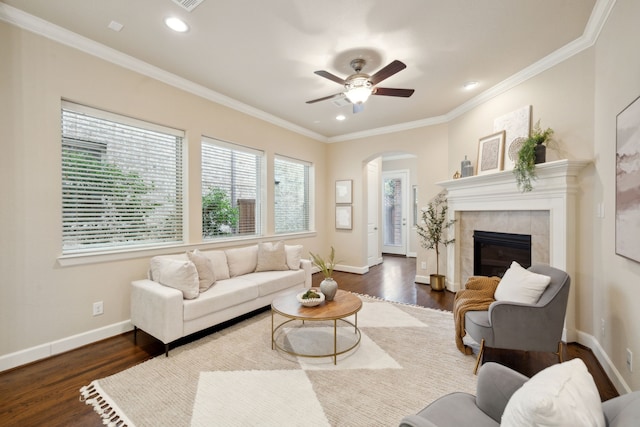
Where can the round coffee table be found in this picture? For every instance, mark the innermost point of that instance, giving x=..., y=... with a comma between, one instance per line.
x=344, y=304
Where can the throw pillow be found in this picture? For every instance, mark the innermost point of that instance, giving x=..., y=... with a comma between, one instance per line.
x=521, y=285
x=242, y=260
x=177, y=274
x=271, y=256
x=561, y=395
x=219, y=262
x=294, y=254
x=204, y=266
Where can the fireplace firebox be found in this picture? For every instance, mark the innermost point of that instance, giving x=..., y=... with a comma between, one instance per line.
x=493, y=252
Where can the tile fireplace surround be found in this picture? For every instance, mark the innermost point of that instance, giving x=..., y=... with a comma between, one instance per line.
x=547, y=213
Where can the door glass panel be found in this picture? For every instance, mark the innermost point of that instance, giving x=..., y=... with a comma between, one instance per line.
x=393, y=212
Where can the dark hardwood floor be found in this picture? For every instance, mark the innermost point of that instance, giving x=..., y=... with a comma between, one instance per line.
x=47, y=392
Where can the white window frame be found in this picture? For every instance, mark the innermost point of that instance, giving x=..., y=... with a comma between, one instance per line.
x=123, y=240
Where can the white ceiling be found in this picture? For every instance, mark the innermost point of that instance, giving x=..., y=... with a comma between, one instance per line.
x=259, y=56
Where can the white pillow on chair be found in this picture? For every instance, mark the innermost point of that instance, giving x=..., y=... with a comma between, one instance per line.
x=561, y=395
x=521, y=285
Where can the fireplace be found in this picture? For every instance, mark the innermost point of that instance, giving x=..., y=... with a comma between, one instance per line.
x=493, y=252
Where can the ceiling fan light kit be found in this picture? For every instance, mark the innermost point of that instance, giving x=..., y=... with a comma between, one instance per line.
x=359, y=86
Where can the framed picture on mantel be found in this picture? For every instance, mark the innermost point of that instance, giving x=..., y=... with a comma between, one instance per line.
x=490, y=153
x=628, y=181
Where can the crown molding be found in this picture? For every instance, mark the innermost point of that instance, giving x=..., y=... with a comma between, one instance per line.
x=598, y=18
x=58, y=34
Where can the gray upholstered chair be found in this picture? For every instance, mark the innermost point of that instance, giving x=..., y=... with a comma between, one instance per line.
x=516, y=326
x=496, y=385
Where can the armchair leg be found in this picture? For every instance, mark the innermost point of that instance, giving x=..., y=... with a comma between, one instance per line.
x=560, y=351
x=475, y=370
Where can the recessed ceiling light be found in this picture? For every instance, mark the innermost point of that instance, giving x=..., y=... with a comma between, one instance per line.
x=176, y=24
x=341, y=117
x=470, y=85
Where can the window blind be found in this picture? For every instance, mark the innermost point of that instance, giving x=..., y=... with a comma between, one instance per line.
x=231, y=189
x=292, y=195
x=121, y=182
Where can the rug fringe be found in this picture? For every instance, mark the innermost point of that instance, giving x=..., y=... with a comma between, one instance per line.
x=109, y=412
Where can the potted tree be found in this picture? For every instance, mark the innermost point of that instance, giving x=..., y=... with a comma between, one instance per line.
x=328, y=286
x=431, y=232
x=532, y=152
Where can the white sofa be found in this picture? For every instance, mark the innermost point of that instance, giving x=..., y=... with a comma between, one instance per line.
x=177, y=299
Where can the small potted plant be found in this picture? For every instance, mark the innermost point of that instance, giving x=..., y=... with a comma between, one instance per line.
x=431, y=232
x=532, y=152
x=328, y=286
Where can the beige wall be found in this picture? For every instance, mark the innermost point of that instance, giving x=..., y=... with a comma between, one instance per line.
x=40, y=301
x=615, y=280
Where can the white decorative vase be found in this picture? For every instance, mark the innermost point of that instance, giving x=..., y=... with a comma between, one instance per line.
x=329, y=287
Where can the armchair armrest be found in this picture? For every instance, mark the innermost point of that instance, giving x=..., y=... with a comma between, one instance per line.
x=496, y=385
x=157, y=310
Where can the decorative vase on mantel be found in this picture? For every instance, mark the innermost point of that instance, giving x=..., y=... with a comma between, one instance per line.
x=540, y=152
x=329, y=287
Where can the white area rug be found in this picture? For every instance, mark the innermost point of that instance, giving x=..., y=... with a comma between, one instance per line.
x=406, y=358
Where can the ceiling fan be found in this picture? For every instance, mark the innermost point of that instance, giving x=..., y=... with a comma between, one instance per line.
x=359, y=86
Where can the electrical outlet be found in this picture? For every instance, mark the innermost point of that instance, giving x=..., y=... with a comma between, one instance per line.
x=629, y=360
x=423, y=265
x=603, y=327
x=98, y=308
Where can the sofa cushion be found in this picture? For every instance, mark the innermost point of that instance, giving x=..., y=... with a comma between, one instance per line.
x=204, y=266
x=521, y=285
x=561, y=395
x=270, y=282
x=271, y=257
x=226, y=293
x=175, y=273
x=242, y=260
x=294, y=255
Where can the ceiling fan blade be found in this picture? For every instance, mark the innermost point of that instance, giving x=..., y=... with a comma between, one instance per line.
x=328, y=75
x=324, y=98
x=358, y=108
x=387, y=72
x=387, y=91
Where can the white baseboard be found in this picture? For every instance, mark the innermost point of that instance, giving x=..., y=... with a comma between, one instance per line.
x=612, y=372
x=22, y=357
x=425, y=280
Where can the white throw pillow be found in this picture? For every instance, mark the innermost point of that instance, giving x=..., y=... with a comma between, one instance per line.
x=181, y=275
x=294, y=254
x=204, y=266
x=521, y=285
x=242, y=260
x=219, y=262
x=271, y=257
x=561, y=395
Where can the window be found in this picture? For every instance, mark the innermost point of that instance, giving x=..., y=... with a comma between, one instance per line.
x=121, y=182
x=231, y=188
x=292, y=196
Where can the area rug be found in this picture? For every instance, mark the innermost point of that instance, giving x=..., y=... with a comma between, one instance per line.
x=406, y=358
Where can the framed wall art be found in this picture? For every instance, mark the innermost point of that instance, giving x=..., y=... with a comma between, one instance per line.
x=343, y=191
x=343, y=217
x=517, y=126
x=628, y=181
x=490, y=153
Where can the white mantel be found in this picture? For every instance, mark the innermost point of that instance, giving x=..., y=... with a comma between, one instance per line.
x=554, y=190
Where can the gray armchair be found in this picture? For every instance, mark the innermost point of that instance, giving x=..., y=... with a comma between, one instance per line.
x=496, y=384
x=516, y=326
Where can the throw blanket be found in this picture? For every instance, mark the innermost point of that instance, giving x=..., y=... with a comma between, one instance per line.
x=477, y=296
